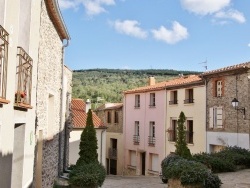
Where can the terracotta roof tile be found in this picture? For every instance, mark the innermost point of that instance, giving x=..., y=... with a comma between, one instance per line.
x=229, y=68
x=167, y=84
x=79, y=118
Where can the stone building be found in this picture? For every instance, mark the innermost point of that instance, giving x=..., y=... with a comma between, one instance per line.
x=111, y=115
x=79, y=118
x=53, y=97
x=227, y=125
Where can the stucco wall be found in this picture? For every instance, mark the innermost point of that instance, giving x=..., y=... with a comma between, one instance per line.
x=144, y=115
x=194, y=111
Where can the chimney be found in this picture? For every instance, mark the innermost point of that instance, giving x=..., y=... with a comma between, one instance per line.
x=88, y=105
x=151, y=81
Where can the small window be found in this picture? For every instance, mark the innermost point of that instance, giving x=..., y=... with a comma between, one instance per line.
x=4, y=41
x=108, y=117
x=189, y=96
x=137, y=101
x=173, y=97
x=189, y=135
x=23, y=78
x=137, y=133
x=219, y=88
x=152, y=100
x=116, y=117
x=215, y=117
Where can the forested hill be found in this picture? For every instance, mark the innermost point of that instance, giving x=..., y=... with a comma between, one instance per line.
x=107, y=85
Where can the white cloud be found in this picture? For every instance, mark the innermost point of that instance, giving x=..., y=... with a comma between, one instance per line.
x=171, y=36
x=204, y=7
x=130, y=27
x=231, y=14
x=92, y=7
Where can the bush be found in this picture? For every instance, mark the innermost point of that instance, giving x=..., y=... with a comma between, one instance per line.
x=216, y=164
x=91, y=175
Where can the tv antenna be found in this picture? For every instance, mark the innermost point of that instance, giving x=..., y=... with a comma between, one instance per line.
x=204, y=64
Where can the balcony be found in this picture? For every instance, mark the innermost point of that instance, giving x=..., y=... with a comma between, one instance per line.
x=173, y=102
x=151, y=140
x=113, y=153
x=188, y=101
x=136, y=139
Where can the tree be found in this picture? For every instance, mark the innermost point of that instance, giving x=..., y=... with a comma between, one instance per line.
x=88, y=144
x=181, y=144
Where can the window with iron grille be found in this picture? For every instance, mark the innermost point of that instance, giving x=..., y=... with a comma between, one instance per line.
x=189, y=96
x=151, y=137
x=172, y=132
x=23, y=77
x=173, y=97
x=152, y=100
x=137, y=101
x=136, y=137
x=4, y=38
x=189, y=132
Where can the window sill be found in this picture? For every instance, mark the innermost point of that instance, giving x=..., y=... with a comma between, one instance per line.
x=153, y=172
x=188, y=104
x=22, y=105
x=152, y=106
x=151, y=144
x=132, y=167
x=137, y=107
x=4, y=101
x=136, y=143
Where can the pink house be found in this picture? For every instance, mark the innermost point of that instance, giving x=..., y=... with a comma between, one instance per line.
x=146, y=120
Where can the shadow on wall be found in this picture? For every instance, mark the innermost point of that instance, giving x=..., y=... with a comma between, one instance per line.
x=5, y=172
x=73, y=152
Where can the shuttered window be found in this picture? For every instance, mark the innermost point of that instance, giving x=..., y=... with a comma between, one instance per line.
x=216, y=117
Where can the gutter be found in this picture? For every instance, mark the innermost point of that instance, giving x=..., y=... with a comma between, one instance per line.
x=101, y=145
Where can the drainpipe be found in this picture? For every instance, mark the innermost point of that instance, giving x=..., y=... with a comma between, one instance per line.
x=101, y=146
x=61, y=112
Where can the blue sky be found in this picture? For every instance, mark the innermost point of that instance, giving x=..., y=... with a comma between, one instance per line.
x=156, y=34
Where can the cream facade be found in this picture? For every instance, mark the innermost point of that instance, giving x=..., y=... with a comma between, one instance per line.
x=190, y=99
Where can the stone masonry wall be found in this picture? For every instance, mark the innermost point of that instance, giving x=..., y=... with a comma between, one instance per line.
x=49, y=82
x=230, y=117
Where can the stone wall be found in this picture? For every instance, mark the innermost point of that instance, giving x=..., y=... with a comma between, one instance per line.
x=233, y=120
x=49, y=83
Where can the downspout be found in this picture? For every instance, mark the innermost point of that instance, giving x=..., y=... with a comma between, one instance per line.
x=124, y=133
x=101, y=146
x=61, y=112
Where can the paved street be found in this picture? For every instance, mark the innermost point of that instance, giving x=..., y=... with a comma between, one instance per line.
x=240, y=179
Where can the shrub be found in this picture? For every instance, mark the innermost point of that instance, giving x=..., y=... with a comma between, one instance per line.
x=88, y=175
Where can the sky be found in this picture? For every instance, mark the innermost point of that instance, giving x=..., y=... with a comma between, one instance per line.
x=156, y=34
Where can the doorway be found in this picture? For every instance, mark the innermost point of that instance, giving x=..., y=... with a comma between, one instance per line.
x=143, y=163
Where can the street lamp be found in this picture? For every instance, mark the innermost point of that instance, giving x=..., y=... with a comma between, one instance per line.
x=235, y=104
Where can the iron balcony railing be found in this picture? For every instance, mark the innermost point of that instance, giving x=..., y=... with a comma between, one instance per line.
x=173, y=102
x=151, y=140
x=136, y=139
x=190, y=137
x=172, y=134
x=187, y=101
x=113, y=153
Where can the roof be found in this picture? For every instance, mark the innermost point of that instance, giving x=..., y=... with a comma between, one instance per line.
x=57, y=19
x=79, y=118
x=181, y=81
x=228, y=69
x=109, y=106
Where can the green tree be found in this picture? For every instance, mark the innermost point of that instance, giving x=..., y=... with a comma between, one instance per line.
x=181, y=144
x=88, y=144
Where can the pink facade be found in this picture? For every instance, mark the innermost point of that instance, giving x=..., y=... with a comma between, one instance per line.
x=144, y=146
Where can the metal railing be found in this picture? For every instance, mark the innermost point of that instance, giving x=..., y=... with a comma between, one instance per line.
x=151, y=140
x=136, y=139
x=187, y=101
x=113, y=153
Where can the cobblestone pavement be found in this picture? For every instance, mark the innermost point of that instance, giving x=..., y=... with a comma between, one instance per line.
x=240, y=179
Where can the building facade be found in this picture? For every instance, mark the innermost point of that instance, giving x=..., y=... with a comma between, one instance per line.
x=79, y=119
x=111, y=115
x=227, y=125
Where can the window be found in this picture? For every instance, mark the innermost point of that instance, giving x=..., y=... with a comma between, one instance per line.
x=215, y=117
x=219, y=88
x=153, y=162
x=4, y=41
x=108, y=117
x=151, y=137
x=189, y=96
x=116, y=117
x=173, y=97
x=152, y=100
x=137, y=101
x=189, y=135
x=172, y=132
x=137, y=133
x=132, y=158
x=24, y=78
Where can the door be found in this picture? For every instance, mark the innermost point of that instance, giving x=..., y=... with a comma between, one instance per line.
x=143, y=163
x=113, y=166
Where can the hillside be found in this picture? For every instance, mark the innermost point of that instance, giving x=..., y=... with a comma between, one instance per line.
x=107, y=85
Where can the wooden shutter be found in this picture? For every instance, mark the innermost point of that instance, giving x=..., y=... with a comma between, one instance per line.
x=219, y=117
x=211, y=117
